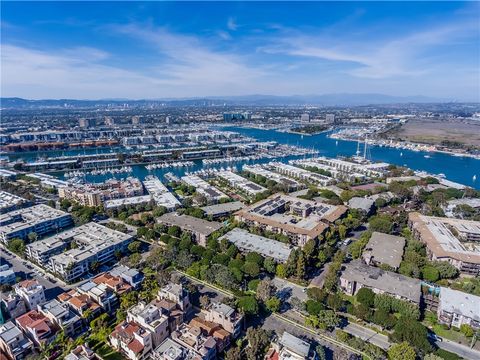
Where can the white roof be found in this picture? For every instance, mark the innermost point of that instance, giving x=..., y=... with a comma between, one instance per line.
x=458, y=302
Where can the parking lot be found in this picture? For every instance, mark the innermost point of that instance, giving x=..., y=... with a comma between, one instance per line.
x=26, y=270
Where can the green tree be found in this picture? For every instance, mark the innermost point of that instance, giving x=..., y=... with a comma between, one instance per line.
x=281, y=272
x=174, y=231
x=269, y=265
x=445, y=270
x=258, y=341
x=467, y=330
x=134, y=246
x=401, y=351
x=17, y=246
x=381, y=223
x=248, y=305
x=252, y=269
x=273, y=304
x=32, y=237
x=233, y=353
x=366, y=297
x=413, y=332
x=320, y=350
x=430, y=273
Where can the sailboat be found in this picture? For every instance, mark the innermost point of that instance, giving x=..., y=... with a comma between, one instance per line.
x=474, y=178
x=401, y=153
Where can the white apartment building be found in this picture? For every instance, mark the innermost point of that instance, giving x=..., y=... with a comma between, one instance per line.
x=151, y=319
x=32, y=293
x=39, y=219
x=456, y=308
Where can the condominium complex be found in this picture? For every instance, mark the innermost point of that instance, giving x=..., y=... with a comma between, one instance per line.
x=384, y=249
x=39, y=219
x=248, y=242
x=160, y=194
x=13, y=343
x=10, y=202
x=96, y=194
x=199, y=228
x=302, y=174
x=299, y=219
x=240, y=183
x=453, y=240
x=263, y=171
x=357, y=275
x=92, y=243
x=456, y=308
x=211, y=193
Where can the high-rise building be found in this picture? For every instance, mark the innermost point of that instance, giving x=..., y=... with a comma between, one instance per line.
x=305, y=117
x=330, y=118
x=109, y=121
x=136, y=120
x=86, y=123
x=236, y=116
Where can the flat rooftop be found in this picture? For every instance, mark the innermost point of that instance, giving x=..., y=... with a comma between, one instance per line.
x=458, y=302
x=246, y=241
x=223, y=208
x=386, y=281
x=28, y=217
x=437, y=233
x=386, y=249
x=8, y=200
x=190, y=223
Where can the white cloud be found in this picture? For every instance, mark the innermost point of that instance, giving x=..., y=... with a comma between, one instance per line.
x=185, y=67
x=232, y=24
x=403, y=56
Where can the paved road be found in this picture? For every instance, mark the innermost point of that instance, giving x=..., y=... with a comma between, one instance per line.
x=367, y=335
x=52, y=289
x=278, y=326
x=462, y=350
x=383, y=342
x=287, y=289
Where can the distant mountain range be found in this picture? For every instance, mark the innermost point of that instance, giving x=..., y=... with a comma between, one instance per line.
x=247, y=100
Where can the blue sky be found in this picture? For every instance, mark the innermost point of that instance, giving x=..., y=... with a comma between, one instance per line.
x=136, y=50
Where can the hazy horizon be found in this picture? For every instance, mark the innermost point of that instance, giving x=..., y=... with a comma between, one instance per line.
x=160, y=50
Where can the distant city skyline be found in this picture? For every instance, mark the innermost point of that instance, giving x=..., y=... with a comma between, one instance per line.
x=151, y=50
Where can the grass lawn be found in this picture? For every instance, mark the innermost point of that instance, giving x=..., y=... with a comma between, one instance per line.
x=107, y=353
x=450, y=334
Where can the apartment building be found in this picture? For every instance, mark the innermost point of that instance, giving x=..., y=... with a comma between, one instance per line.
x=39, y=219
x=80, y=303
x=263, y=171
x=456, y=308
x=452, y=240
x=62, y=316
x=199, y=228
x=13, y=343
x=227, y=317
x=177, y=294
x=211, y=193
x=94, y=243
x=299, y=219
x=160, y=194
x=357, y=275
x=302, y=174
x=238, y=182
x=10, y=202
x=151, y=319
x=131, y=340
x=32, y=293
x=37, y=327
